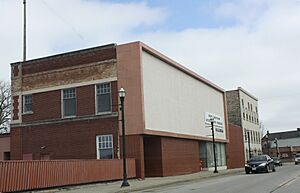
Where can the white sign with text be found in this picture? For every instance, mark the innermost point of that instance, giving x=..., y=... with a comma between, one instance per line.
x=218, y=121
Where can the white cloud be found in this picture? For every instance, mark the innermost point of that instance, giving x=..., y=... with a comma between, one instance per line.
x=60, y=25
x=260, y=52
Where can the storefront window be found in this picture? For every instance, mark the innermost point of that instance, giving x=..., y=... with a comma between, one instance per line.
x=207, y=154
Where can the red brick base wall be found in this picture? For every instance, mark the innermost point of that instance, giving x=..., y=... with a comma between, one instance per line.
x=153, y=157
x=69, y=140
x=179, y=156
x=235, y=148
x=170, y=156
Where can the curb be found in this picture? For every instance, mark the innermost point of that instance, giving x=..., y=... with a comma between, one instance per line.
x=129, y=189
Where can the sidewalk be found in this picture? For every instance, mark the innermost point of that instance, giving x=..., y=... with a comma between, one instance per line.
x=137, y=185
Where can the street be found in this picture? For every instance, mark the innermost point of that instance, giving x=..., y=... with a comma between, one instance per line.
x=285, y=179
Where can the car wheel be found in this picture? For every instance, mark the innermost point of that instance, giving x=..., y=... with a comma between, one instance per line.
x=296, y=163
x=274, y=170
x=247, y=172
x=267, y=169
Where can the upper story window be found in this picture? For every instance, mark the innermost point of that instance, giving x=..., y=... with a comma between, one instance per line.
x=105, y=148
x=27, y=103
x=69, y=102
x=103, y=97
x=243, y=103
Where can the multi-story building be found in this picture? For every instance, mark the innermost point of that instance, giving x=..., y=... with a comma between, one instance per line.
x=66, y=106
x=243, y=111
x=284, y=144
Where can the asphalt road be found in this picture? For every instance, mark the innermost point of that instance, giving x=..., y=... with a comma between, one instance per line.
x=286, y=179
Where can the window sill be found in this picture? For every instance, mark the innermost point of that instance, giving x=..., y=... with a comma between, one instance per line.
x=104, y=113
x=69, y=117
x=27, y=113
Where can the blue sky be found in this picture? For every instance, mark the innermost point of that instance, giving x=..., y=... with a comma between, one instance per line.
x=250, y=43
x=187, y=14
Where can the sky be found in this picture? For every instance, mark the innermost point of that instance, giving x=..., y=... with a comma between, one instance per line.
x=254, y=44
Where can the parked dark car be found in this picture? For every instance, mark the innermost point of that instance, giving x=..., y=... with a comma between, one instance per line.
x=277, y=161
x=297, y=158
x=260, y=163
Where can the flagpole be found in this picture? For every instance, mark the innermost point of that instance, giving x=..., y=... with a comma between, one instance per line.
x=24, y=32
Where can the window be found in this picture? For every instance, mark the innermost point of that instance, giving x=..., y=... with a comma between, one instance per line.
x=103, y=92
x=27, y=103
x=105, y=148
x=69, y=102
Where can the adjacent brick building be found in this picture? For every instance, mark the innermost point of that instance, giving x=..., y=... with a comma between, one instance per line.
x=235, y=148
x=4, y=146
x=288, y=144
x=243, y=111
x=66, y=106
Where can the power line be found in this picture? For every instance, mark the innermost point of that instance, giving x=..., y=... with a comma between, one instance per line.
x=63, y=20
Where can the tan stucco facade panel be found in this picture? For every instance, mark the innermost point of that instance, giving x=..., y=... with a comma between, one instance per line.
x=176, y=102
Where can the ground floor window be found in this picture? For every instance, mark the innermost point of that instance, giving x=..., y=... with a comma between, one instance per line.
x=105, y=146
x=207, y=154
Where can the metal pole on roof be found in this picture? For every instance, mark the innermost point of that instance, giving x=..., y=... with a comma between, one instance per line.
x=24, y=32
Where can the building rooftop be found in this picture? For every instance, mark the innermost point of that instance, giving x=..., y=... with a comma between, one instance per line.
x=284, y=135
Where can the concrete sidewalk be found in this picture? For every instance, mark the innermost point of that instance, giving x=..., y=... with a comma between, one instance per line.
x=137, y=185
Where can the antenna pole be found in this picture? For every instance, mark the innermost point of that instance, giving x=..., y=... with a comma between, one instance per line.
x=24, y=33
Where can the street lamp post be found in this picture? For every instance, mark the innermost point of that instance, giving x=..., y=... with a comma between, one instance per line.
x=214, y=149
x=267, y=137
x=248, y=135
x=276, y=143
x=122, y=97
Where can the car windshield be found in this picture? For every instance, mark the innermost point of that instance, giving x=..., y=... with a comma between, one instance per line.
x=258, y=158
x=275, y=158
x=297, y=155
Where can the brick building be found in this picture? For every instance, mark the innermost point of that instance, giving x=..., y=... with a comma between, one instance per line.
x=235, y=148
x=66, y=107
x=288, y=144
x=4, y=146
x=242, y=111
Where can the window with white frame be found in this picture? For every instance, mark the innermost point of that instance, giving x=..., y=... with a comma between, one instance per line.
x=103, y=98
x=27, y=103
x=105, y=148
x=69, y=102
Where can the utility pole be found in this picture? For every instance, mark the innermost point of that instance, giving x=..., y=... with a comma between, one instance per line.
x=24, y=32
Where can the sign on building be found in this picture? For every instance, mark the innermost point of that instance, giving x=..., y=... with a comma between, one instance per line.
x=218, y=121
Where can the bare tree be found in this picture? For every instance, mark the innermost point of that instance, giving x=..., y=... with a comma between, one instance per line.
x=5, y=106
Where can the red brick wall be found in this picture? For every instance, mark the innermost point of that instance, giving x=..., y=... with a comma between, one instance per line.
x=153, y=157
x=15, y=107
x=180, y=156
x=69, y=59
x=47, y=105
x=135, y=149
x=85, y=100
x=16, y=70
x=70, y=140
x=4, y=145
x=235, y=147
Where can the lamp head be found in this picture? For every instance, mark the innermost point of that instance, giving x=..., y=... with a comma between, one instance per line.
x=122, y=93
